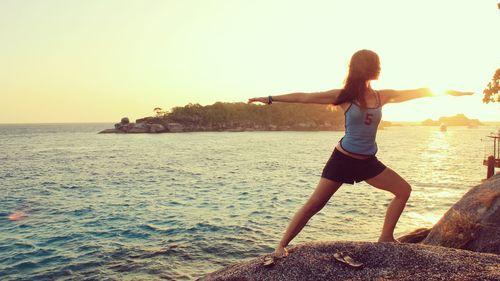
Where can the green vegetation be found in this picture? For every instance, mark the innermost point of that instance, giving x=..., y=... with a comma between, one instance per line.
x=221, y=116
x=492, y=90
x=457, y=120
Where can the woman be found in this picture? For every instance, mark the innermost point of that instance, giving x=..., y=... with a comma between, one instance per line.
x=353, y=159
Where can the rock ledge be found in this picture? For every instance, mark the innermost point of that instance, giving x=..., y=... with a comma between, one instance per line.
x=382, y=261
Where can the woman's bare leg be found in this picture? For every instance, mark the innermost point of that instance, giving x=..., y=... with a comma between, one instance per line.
x=394, y=183
x=323, y=192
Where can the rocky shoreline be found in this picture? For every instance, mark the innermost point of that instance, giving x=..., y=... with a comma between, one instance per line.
x=463, y=245
x=157, y=125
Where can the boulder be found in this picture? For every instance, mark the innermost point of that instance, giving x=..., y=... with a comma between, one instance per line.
x=416, y=236
x=141, y=126
x=473, y=223
x=124, y=125
x=138, y=129
x=382, y=261
x=175, y=127
x=127, y=127
x=156, y=128
x=125, y=121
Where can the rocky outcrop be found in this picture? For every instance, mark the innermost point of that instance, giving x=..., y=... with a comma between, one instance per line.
x=165, y=125
x=382, y=261
x=473, y=223
x=416, y=236
x=156, y=128
x=175, y=127
x=146, y=125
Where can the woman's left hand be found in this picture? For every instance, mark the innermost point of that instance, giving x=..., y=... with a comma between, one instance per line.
x=458, y=93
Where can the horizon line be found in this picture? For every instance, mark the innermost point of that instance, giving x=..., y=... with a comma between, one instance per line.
x=112, y=122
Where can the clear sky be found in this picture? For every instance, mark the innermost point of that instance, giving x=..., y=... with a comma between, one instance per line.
x=98, y=61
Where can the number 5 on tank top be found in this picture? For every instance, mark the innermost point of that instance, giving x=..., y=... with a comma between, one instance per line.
x=368, y=118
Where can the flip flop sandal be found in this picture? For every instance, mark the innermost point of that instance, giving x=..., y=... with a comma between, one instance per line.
x=345, y=258
x=339, y=256
x=268, y=261
x=271, y=259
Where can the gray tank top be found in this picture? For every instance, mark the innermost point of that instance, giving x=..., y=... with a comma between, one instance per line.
x=361, y=128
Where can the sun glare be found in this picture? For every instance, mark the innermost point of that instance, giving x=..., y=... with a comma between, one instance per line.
x=438, y=91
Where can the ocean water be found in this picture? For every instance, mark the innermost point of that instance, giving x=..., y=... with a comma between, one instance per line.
x=77, y=205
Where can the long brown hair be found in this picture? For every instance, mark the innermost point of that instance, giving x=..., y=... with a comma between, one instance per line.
x=364, y=66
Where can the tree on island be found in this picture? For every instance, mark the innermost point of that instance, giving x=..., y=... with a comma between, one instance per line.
x=491, y=92
x=159, y=112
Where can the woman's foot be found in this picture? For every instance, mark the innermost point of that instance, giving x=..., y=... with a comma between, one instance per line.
x=388, y=239
x=280, y=252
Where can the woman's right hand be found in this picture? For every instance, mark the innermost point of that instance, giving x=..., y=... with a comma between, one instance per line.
x=260, y=99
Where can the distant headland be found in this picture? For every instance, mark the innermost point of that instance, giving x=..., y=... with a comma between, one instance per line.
x=457, y=120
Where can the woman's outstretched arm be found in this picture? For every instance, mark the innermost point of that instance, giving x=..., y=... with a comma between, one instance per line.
x=393, y=96
x=326, y=97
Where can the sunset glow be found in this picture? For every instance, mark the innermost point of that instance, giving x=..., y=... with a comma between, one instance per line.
x=98, y=61
x=438, y=91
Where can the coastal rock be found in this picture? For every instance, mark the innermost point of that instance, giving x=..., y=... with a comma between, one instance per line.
x=416, y=236
x=111, y=131
x=195, y=125
x=125, y=121
x=175, y=127
x=126, y=127
x=382, y=261
x=473, y=223
x=138, y=128
x=146, y=125
x=141, y=126
x=145, y=120
x=121, y=127
x=156, y=128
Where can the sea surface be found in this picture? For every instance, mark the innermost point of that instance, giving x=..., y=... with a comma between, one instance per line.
x=77, y=205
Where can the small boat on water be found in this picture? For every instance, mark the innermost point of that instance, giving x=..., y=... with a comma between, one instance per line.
x=443, y=127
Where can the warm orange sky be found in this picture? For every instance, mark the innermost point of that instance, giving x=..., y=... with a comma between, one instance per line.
x=98, y=61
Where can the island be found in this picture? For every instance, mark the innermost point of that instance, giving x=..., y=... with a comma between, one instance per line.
x=238, y=117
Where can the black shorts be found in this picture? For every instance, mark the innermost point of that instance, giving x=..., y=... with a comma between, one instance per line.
x=343, y=168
